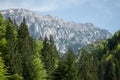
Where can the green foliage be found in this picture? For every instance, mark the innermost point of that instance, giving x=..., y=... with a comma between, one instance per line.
x=11, y=56
x=116, y=59
x=39, y=46
x=67, y=69
x=39, y=73
x=16, y=77
x=109, y=71
x=71, y=66
x=33, y=68
x=2, y=34
x=49, y=56
x=101, y=70
x=60, y=72
x=3, y=70
x=118, y=46
x=3, y=46
x=9, y=47
x=87, y=67
x=23, y=58
x=38, y=70
x=26, y=47
x=107, y=55
x=2, y=27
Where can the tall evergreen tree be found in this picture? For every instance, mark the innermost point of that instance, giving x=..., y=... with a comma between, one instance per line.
x=53, y=52
x=67, y=69
x=11, y=56
x=116, y=58
x=72, y=69
x=109, y=71
x=60, y=72
x=3, y=70
x=2, y=26
x=26, y=48
x=3, y=43
x=49, y=56
x=101, y=70
x=2, y=34
x=87, y=67
x=39, y=72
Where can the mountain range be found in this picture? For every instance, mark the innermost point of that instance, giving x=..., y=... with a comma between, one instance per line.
x=65, y=33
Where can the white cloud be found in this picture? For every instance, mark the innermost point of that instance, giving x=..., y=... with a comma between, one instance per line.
x=43, y=8
x=41, y=5
x=51, y=5
x=28, y=4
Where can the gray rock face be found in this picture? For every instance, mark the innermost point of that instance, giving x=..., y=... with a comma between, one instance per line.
x=65, y=34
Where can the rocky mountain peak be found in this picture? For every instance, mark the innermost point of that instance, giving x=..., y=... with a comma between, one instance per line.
x=65, y=34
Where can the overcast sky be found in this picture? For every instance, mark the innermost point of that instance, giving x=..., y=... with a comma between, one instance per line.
x=102, y=13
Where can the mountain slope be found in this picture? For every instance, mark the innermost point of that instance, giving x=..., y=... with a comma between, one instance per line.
x=65, y=34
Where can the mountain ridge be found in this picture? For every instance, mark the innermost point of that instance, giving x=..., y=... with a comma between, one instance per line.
x=66, y=34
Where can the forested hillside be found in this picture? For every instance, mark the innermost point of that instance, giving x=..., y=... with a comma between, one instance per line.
x=23, y=58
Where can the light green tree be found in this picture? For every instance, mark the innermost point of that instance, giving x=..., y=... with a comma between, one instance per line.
x=39, y=73
x=3, y=70
x=38, y=70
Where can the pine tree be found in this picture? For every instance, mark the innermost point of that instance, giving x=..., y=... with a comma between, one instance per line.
x=67, y=68
x=72, y=69
x=39, y=72
x=54, y=52
x=26, y=48
x=101, y=71
x=49, y=56
x=3, y=70
x=11, y=56
x=87, y=67
x=117, y=69
x=2, y=27
x=2, y=34
x=109, y=71
x=61, y=71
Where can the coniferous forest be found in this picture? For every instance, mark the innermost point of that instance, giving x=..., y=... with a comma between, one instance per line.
x=23, y=58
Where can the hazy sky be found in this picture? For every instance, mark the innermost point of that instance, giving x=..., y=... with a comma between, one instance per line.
x=102, y=13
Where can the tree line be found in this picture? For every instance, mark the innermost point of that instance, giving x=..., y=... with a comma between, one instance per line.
x=24, y=58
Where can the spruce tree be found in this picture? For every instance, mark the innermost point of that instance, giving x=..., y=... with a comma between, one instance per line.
x=49, y=56
x=61, y=71
x=26, y=48
x=38, y=70
x=11, y=56
x=117, y=62
x=101, y=70
x=2, y=27
x=39, y=73
x=72, y=69
x=109, y=71
x=67, y=68
x=3, y=70
x=2, y=34
x=87, y=67
x=53, y=52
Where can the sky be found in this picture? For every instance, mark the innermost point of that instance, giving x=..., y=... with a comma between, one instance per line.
x=104, y=14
